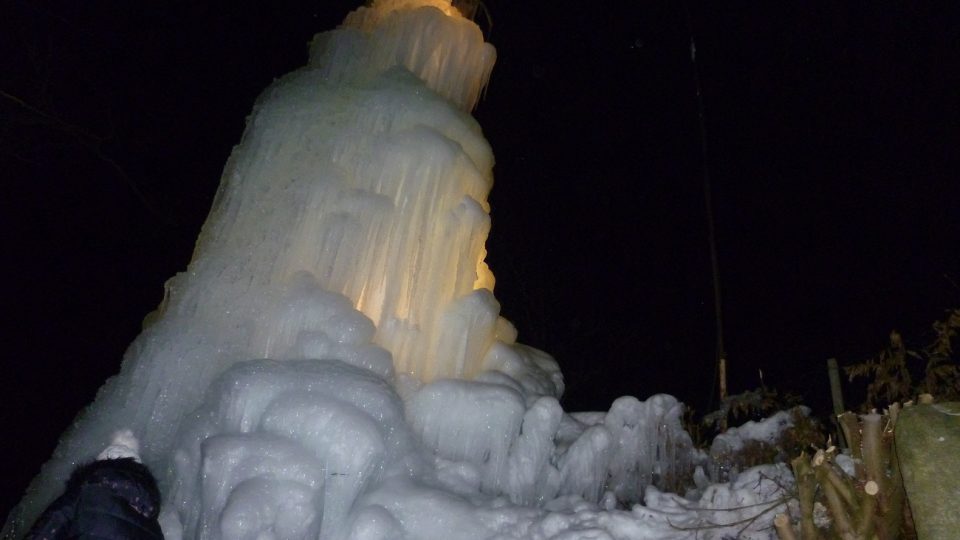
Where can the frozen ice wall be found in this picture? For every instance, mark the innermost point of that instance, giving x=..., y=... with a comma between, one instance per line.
x=332, y=363
x=350, y=223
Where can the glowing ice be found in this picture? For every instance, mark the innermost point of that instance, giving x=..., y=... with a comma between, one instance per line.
x=332, y=362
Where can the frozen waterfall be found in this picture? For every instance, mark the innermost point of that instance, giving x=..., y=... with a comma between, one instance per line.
x=332, y=363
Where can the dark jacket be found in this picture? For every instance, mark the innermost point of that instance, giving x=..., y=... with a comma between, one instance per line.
x=111, y=499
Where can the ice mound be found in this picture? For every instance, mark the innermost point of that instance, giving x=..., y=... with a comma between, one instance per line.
x=332, y=363
x=324, y=449
x=323, y=430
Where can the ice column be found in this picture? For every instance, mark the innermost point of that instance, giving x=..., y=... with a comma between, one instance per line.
x=353, y=171
x=349, y=225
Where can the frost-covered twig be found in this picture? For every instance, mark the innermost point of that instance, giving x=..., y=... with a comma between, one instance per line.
x=771, y=505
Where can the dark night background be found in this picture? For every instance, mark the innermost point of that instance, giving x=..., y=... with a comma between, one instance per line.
x=832, y=131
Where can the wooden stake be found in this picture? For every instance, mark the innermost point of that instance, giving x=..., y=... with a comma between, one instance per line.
x=835, y=391
x=723, y=378
x=833, y=371
x=784, y=530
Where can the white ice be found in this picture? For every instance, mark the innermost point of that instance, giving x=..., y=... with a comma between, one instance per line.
x=725, y=446
x=332, y=363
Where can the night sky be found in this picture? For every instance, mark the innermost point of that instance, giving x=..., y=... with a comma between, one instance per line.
x=832, y=130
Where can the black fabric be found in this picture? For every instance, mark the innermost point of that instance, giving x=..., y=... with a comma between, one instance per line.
x=112, y=499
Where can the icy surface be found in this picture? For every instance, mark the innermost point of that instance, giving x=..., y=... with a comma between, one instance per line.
x=332, y=363
x=725, y=446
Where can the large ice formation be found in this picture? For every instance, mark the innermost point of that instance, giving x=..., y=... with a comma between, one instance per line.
x=332, y=363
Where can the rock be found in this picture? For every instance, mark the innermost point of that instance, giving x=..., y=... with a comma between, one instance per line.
x=928, y=446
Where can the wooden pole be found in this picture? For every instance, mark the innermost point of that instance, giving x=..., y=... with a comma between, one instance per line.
x=721, y=356
x=836, y=392
x=723, y=377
